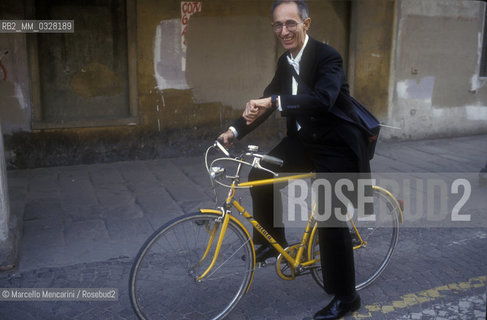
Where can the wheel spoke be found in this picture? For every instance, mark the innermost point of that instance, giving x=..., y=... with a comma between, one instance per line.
x=379, y=242
x=163, y=278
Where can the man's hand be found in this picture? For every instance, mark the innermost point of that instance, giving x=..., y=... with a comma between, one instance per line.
x=255, y=108
x=226, y=138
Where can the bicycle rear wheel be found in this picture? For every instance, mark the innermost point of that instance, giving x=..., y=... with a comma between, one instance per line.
x=380, y=238
x=162, y=279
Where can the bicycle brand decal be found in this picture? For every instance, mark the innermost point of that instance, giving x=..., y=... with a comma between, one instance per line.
x=262, y=230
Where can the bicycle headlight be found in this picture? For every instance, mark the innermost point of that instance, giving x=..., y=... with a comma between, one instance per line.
x=216, y=171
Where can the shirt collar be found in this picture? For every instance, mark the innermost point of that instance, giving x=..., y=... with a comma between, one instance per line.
x=300, y=53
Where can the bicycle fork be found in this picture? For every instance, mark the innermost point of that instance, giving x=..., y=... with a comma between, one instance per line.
x=213, y=232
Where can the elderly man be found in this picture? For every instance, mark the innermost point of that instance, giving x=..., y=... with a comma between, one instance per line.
x=309, y=88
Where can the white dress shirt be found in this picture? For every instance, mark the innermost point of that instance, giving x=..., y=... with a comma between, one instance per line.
x=295, y=63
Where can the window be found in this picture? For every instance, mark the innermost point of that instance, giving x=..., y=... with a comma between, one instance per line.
x=84, y=79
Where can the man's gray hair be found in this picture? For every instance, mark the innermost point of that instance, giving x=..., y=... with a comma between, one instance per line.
x=302, y=7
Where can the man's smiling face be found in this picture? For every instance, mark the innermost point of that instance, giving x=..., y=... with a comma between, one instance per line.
x=292, y=40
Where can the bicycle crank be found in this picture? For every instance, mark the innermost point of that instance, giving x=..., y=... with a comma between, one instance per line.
x=284, y=269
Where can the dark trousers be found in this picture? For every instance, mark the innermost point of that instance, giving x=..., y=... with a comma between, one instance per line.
x=335, y=242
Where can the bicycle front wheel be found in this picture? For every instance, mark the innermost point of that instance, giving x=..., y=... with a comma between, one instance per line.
x=379, y=236
x=163, y=281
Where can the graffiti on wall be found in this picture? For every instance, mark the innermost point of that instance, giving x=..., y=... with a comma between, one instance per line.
x=14, y=108
x=188, y=8
x=3, y=70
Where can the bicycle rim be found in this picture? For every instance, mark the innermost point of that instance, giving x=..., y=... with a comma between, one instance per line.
x=162, y=280
x=381, y=237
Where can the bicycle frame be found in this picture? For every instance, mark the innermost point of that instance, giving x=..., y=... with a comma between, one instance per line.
x=309, y=232
x=230, y=201
x=310, y=225
x=226, y=216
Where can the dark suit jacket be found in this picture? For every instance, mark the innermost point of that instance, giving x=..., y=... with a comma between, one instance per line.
x=321, y=104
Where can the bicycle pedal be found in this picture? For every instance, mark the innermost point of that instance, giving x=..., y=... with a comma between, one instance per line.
x=267, y=262
x=355, y=242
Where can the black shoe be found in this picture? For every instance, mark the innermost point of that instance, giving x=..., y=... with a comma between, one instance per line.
x=265, y=252
x=338, y=308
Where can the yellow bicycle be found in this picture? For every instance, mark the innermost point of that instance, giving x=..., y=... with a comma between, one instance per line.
x=198, y=266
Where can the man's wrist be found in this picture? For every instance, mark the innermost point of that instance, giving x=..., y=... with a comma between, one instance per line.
x=276, y=102
x=234, y=131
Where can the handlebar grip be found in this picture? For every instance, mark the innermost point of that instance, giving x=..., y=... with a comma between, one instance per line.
x=272, y=160
x=222, y=148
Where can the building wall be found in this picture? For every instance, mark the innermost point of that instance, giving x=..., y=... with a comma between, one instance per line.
x=413, y=63
x=186, y=92
x=435, y=87
x=372, y=25
x=8, y=223
x=206, y=83
x=15, y=103
x=229, y=57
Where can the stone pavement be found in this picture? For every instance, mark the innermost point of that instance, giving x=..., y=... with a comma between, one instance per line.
x=95, y=212
x=83, y=225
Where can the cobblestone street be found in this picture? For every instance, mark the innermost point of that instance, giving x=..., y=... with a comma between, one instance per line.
x=83, y=226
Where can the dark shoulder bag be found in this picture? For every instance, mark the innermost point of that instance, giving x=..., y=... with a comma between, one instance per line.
x=367, y=121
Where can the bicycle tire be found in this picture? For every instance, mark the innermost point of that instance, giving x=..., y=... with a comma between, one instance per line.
x=381, y=236
x=162, y=279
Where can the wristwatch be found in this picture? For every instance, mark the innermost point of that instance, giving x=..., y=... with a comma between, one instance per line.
x=274, y=101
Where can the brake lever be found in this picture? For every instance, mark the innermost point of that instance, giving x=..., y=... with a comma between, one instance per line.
x=256, y=164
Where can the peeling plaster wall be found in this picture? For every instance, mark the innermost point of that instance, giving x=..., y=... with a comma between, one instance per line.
x=229, y=58
x=168, y=56
x=435, y=86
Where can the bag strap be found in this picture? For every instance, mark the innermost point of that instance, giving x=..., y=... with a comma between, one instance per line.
x=341, y=114
x=298, y=78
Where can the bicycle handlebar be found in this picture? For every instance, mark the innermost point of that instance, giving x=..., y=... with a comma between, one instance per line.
x=216, y=171
x=272, y=160
x=222, y=148
x=252, y=149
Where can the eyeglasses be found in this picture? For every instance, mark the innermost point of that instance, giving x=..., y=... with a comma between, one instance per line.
x=291, y=25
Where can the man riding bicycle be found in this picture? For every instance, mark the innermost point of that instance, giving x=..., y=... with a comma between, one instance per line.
x=309, y=88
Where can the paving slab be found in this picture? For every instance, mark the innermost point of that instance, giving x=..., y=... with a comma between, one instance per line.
x=83, y=225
